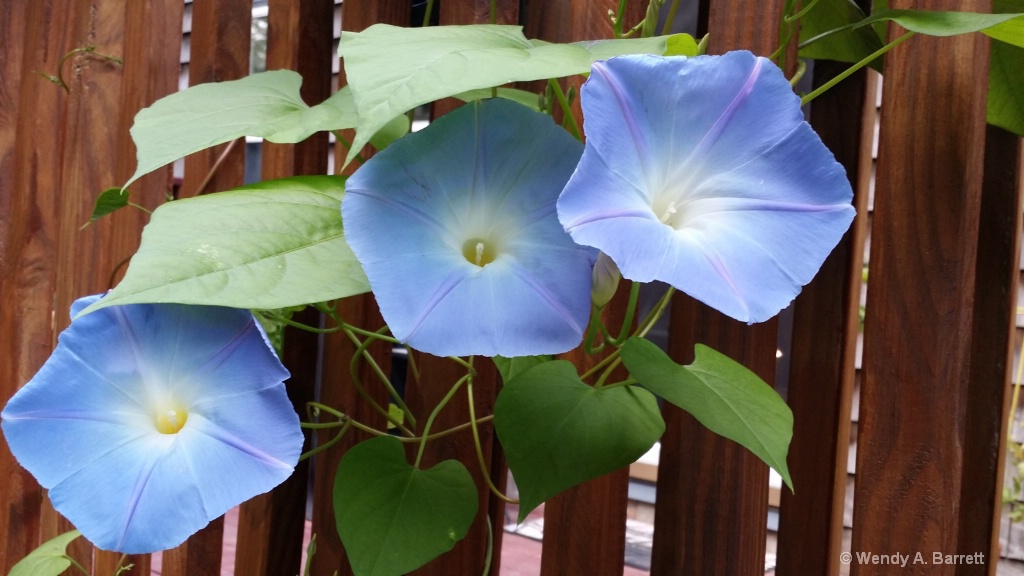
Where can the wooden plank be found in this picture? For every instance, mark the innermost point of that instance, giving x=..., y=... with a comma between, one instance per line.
x=220, y=40
x=300, y=39
x=470, y=12
x=988, y=410
x=438, y=374
x=712, y=506
x=30, y=172
x=338, y=391
x=915, y=396
x=336, y=386
x=96, y=152
x=826, y=322
x=596, y=508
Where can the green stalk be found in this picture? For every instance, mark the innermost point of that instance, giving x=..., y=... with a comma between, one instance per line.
x=845, y=73
x=566, y=108
x=430, y=420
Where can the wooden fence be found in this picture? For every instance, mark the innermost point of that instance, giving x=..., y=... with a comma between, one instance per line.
x=945, y=236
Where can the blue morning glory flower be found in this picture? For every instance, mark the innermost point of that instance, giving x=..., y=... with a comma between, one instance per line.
x=702, y=173
x=456, y=228
x=148, y=421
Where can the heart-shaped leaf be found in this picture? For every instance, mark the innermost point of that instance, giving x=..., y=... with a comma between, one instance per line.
x=50, y=559
x=394, y=518
x=270, y=245
x=509, y=368
x=721, y=394
x=558, y=432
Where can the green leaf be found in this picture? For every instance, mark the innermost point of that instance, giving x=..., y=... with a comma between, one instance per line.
x=394, y=518
x=509, y=368
x=270, y=245
x=681, y=45
x=425, y=64
x=722, y=394
x=396, y=128
x=852, y=45
x=267, y=105
x=110, y=200
x=939, y=23
x=558, y=432
x=50, y=559
x=1006, y=87
x=528, y=99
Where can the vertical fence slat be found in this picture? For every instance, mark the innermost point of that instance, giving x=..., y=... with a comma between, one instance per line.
x=712, y=494
x=336, y=386
x=915, y=394
x=996, y=278
x=96, y=153
x=270, y=526
x=596, y=508
x=146, y=36
x=337, y=390
x=220, y=40
x=437, y=375
x=825, y=325
x=30, y=169
x=585, y=526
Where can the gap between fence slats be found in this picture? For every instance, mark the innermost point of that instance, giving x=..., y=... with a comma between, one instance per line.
x=995, y=299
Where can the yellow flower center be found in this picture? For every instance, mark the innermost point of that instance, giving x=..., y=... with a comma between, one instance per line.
x=479, y=251
x=171, y=420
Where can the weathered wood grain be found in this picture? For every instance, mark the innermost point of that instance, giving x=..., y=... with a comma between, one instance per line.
x=826, y=319
x=916, y=391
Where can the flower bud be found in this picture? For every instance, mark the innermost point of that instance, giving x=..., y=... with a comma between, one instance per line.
x=605, y=280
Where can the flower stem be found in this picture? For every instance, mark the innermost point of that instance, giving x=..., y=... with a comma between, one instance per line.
x=361, y=352
x=566, y=108
x=627, y=322
x=479, y=449
x=334, y=440
x=593, y=327
x=430, y=420
x=427, y=13
x=670, y=19
x=348, y=146
x=864, y=62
